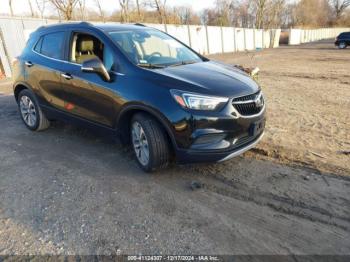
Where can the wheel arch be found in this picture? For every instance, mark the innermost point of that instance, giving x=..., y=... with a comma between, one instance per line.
x=128, y=112
x=18, y=87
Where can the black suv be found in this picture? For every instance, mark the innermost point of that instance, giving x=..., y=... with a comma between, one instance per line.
x=342, y=40
x=142, y=85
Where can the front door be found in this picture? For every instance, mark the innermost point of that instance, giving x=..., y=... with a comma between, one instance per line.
x=87, y=95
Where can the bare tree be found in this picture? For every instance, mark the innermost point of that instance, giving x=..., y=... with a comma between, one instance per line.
x=82, y=7
x=204, y=16
x=11, y=8
x=185, y=14
x=65, y=7
x=124, y=5
x=305, y=14
x=102, y=13
x=41, y=4
x=260, y=13
x=275, y=14
x=31, y=8
x=224, y=10
x=138, y=7
x=339, y=7
x=160, y=6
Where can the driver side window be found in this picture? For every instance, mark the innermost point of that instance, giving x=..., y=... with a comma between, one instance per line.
x=85, y=47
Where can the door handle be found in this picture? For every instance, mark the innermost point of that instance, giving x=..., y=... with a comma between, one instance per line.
x=28, y=63
x=67, y=76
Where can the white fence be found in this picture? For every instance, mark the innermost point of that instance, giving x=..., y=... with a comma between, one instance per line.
x=203, y=39
x=299, y=36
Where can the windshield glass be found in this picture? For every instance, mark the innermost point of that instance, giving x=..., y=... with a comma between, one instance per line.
x=152, y=48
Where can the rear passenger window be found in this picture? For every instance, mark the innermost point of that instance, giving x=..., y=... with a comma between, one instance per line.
x=51, y=45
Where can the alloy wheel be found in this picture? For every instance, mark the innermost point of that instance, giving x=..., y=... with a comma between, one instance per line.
x=28, y=111
x=140, y=143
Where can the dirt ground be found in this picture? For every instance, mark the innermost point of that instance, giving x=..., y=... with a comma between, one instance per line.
x=308, y=100
x=68, y=191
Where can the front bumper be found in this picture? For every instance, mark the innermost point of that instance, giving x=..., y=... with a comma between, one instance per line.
x=196, y=156
x=219, y=136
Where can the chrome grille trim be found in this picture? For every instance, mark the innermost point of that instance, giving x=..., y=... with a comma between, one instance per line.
x=248, y=106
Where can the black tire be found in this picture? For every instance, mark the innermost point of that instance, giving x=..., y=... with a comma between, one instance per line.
x=158, y=144
x=342, y=45
x=41, y=122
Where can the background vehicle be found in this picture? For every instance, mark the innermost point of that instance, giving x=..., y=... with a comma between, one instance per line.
x=342, y=40
x=142, y=84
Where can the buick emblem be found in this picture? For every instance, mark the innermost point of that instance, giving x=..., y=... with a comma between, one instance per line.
x=259, y=102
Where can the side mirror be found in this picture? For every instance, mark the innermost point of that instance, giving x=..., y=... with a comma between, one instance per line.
x=95, y=65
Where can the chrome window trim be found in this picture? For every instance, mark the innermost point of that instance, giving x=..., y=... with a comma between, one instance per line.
x=64, y=61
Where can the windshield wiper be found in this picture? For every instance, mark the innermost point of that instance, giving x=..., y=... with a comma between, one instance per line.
x=184, y=63
x=154, y=66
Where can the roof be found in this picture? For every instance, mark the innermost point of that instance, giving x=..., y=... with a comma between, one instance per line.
x=101, y=26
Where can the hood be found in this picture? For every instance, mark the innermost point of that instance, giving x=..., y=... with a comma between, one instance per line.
x=211, y=78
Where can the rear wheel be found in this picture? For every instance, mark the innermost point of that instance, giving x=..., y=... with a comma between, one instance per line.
x=150, y=143
x=342, y=45
x=31, y=113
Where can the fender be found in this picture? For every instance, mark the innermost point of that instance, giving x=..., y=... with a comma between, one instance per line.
x=153, y=112
x=20, y=83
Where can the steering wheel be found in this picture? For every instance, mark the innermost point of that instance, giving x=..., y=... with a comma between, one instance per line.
x=154, y=54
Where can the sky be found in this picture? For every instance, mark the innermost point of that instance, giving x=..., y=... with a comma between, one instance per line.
x=21, y=6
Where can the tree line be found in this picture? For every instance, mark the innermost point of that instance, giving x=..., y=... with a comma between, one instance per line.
x=239, y=13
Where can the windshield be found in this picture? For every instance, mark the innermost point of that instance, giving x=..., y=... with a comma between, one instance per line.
x=152, y=48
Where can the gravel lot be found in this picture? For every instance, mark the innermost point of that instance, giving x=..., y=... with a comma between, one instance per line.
x=69, y=191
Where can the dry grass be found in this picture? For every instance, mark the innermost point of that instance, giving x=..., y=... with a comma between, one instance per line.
x=307, y=89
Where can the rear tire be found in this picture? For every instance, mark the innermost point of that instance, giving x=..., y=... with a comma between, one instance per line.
x=30, y=111
x=342, y=45
x=149, y=142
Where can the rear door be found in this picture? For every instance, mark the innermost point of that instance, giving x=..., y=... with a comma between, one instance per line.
x=44, y=66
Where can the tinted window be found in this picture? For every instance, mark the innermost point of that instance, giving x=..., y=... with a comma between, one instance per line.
x=52, y=45
x=153, y=47
x=85, y=47
x=37, y=47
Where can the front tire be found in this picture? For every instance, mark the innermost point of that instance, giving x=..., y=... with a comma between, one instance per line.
x=150, y=143
x=342, y=45
x=31, y=113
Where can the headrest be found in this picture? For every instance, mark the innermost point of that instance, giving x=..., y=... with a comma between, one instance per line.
x=85, y=44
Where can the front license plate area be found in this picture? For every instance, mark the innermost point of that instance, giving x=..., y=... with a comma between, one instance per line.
x=257, y=127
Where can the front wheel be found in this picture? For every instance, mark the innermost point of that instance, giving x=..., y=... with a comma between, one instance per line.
x=150, y=143
x=342, y=45
x=31, y=113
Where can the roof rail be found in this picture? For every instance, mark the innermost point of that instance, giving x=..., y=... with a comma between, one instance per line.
x=85, y=23
x=139, y=24
x=41, y=27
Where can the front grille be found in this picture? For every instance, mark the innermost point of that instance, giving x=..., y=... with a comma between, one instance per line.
x=249, y=105
x=246, y=98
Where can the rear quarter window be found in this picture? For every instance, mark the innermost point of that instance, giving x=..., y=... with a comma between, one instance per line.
x=51, y=45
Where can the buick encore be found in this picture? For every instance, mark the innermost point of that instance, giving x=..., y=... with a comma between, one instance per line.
x=142, y=85
x=342, y=40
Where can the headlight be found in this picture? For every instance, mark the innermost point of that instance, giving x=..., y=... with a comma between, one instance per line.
x=198, y=102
